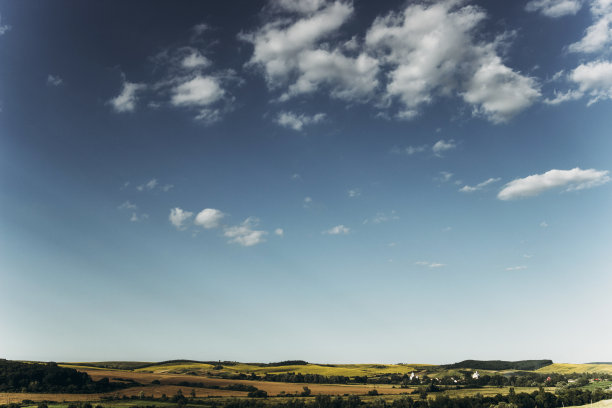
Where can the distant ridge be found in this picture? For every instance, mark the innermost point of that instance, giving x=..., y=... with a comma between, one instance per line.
x=500, y=364
x=601, y=362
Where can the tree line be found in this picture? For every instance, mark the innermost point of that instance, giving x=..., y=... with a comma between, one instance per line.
x=49, y=377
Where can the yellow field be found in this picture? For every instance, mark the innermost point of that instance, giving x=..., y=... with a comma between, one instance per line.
x=348, y=370
x=600, y=404
x=576, y=368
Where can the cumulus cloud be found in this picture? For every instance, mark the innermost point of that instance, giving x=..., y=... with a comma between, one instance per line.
x=598, y=35
x=570, y=180
x=431, y=50
x=54, y=80
x=554, y=8
x=195, y=60
x=198, y=91
x=126, y=100
x=442, y=146
x=245, y=234
x=337, y=230
x=594, y=79
x=479, y=186
x=516, y=268
x=209, y=218
x=178, y=217
x=290, y=52
x=297, y=122
x=279, y=231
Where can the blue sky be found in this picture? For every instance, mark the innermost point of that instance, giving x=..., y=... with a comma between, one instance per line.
x=332, y=181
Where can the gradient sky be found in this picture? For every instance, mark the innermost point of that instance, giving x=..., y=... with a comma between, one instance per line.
x=333, y=181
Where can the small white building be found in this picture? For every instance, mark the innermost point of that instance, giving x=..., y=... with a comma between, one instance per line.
x=475, y=375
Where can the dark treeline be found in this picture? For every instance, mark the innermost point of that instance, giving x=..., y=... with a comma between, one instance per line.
x=464, y=380
x=537, y=399
x=49, y=377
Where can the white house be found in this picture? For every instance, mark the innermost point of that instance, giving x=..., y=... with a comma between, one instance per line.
x=475, y=375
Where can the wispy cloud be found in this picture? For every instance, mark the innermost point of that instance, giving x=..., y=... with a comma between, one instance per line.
x=554, y=8
x=245, y=234
x=381, y=217
x=430, y=264
x=127, y=98
x=479, y=186
x=3, y=27
x=442, y=146
x=516, y=268
x=571, y=180
x=338, y=230
x=354, y=192
x=296, y=121
x=127, y=205
x=54, y=80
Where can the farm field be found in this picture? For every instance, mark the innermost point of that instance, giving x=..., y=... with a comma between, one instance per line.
x=576, y=368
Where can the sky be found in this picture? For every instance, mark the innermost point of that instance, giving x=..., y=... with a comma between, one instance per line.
x=326, y=180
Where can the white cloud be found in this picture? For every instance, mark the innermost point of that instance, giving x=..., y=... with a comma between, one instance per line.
x=554, y=8
x=295, y=176
x=178, y=217
x=149, y=185
x=430, y=264
x=442, y=146
x=209, y=218
x=54, y=80
x=195, y=60
x=297, y=122
x=432, y=50
x=128, y=206
x=354, y=192
x=307, y=202
x=410, y=150
x=199, y=91
x=574, y=179
x=544, y=224
x=479, y=186
x=244, y=234
x=498, y=92
x=599, y=34
x=138, y=217
x=300, y=6
x=337, y=230
x=279, y=231
x=445, y=176
x=3, y=28
x=126, y=100
x=167, y=187
x=594, y=79
x=289, y=51
x=516, y=268
x=381, y=217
